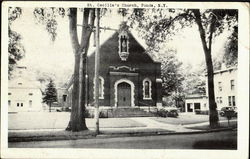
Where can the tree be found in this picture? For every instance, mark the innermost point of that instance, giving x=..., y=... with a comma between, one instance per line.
x=156, y=25
x=15, y=48
x=170, y=72
x=194, y=80
x=50, y=94
x=47, y=17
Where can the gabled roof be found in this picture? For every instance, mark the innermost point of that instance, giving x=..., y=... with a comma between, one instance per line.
x=134, y=45
x=21, y=82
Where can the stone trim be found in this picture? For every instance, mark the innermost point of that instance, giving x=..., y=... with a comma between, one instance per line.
x=124, y=73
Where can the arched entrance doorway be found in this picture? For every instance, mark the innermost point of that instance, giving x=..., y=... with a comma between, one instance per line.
x=124, y=94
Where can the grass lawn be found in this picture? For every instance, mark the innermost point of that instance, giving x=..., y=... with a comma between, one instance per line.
x=233, y=124
x=59, y=120
x=185, y=119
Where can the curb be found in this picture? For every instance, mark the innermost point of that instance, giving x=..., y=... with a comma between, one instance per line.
x=110, y=135
x=134, y=134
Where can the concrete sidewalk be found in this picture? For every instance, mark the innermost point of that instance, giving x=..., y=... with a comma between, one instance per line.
x=152, y=128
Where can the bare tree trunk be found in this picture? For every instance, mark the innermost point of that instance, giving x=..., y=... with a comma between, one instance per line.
x=77, y=119
x=213, y=114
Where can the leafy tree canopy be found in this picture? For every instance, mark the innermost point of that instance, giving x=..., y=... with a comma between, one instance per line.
x=16, y=50
x=170, y=71
x=230, y=57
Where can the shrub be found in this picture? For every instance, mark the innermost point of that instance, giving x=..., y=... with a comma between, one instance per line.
x=88, y=113
x=172, y=113
x=161, y=113
x=103, y=114
x=202, y=112
x=167, y=113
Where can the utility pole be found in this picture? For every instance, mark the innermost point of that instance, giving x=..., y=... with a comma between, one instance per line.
x=97, y=61
x=80, y=82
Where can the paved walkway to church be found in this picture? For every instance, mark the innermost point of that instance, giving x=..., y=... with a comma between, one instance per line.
x=155, y=124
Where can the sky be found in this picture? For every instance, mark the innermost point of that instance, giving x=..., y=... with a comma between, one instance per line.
x=57, y=57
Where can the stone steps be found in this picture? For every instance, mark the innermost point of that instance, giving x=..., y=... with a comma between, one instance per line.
x=130, y=112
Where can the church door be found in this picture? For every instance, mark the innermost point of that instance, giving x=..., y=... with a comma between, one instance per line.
x=124, y=94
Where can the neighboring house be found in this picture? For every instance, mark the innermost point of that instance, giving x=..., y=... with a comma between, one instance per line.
x=225, y=89
x=196, y=102
x=128, y=76
x=62, y=97
x=23, y=94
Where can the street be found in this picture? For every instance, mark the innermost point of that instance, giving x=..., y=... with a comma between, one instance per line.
x=214, y=140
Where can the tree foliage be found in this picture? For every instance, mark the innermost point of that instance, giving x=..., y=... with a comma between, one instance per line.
x=157, y=25
x=48, y=18
x=16, y=50
x=170, y=72
x=194, y=80
x=230, y=57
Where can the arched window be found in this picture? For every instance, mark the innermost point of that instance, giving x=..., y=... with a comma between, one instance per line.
x=147, y=88
x=101, y=88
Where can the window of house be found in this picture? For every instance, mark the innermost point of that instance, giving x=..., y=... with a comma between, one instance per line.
x=232, y=84
x=64, y=98
x=21, y=104
x=220, y=86
x=229, y=101
x=146, y=89
x=9, y=103
x=233, y=100
x=30, y=94
x=19, y=83
x=17, y=104
x=221, y=100
x=205, y=105
x=218, y=99
x=9, y=93
x=30, y=103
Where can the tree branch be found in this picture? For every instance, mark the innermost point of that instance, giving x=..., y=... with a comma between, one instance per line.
x=182, y=15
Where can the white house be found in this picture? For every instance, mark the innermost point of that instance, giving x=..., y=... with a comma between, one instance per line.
x=196, y=102
x=24, y=95
x=225, y=89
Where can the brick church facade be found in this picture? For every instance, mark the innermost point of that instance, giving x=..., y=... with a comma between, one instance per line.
x=128, y=76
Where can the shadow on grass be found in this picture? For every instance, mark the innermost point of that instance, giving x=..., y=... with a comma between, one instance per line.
x=215, y=144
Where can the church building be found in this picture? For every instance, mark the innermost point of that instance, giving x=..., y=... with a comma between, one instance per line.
x=128, y=76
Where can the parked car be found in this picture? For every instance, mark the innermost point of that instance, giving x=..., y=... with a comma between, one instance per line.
x=224, y=109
